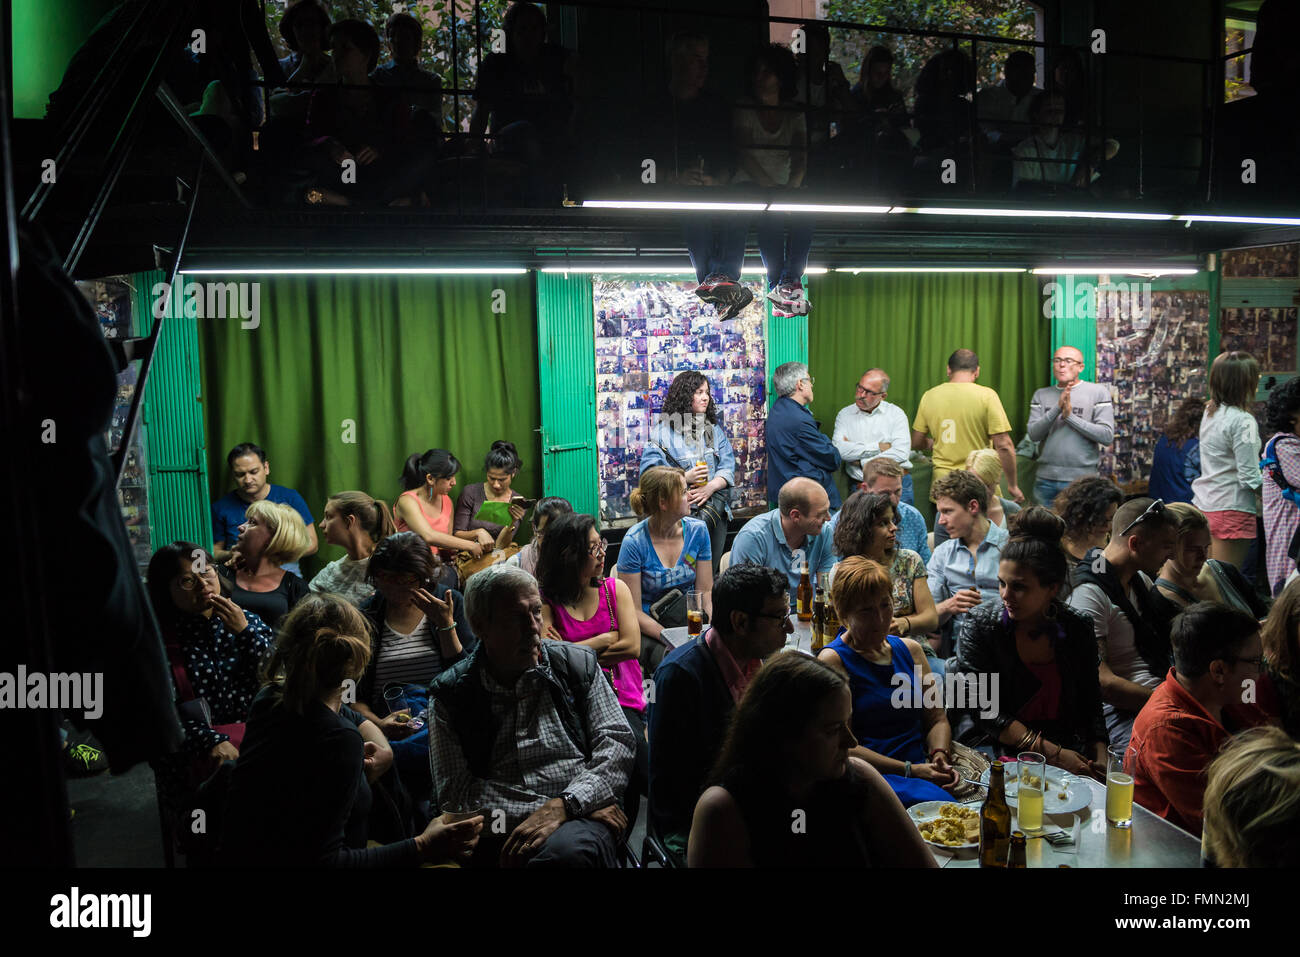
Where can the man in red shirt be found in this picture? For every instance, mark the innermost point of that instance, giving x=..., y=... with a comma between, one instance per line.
x=1207, y=696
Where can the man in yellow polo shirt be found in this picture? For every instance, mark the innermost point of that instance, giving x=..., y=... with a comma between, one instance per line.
x=958, y=417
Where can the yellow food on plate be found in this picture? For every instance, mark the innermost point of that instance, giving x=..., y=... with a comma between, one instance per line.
x=954, y=827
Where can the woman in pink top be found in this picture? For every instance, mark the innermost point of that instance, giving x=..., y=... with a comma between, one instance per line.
x=582, y=606
x=426, y=507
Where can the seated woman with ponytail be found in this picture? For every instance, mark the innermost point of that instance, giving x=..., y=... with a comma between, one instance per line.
x=1043, y=653
x=426, y=509
x=356, y=522
x=499, y=468
x=300, y=795
x=417, y=631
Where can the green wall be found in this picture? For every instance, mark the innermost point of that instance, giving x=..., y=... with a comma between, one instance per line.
x=45, y=35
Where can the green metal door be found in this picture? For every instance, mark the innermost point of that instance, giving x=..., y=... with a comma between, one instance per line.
x=566, y=350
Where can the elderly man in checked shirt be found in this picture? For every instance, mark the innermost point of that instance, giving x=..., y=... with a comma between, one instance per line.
x=529, y=733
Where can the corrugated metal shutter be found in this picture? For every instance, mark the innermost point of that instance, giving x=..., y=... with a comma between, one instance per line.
x=566, y=349
x=787, y=341
x=173, y=417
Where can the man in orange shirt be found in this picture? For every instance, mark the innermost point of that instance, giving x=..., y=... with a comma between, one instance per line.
x=1208, y=695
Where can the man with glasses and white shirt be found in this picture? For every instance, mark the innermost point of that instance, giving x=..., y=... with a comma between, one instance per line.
x=1072, y=420
x=872, y=427
x=796, y=447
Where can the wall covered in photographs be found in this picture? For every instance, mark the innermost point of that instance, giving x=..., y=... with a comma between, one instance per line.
x=647, y=331
x=1151, y=359
x=1269, y=334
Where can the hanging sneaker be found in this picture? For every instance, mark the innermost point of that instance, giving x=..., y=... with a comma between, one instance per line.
x=709, y=289
x=83, y=761
x=794, y=299
x=738, y=298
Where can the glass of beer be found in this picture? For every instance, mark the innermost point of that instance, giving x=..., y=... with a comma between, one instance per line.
x=1032, y=770
x=694, y=613
x=1119, y=789
x=395, y=700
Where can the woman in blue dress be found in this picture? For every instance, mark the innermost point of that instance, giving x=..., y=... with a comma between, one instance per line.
x=689, y=436
x=908, y=743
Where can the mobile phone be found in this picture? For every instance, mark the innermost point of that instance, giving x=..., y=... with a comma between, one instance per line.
x=524, y=503
x=417, y=722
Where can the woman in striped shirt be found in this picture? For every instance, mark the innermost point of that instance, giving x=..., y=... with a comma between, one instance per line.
x=418, y=630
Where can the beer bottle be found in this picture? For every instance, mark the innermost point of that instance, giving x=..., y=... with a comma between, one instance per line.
x=995, y=821
x=1017, y=860
x=804, y=596
x=819, y=618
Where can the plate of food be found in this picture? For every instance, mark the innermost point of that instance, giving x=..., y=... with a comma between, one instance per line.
x=947, y=824
x=1065, y=794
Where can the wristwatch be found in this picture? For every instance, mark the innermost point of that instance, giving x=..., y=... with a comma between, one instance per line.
x=571, y=807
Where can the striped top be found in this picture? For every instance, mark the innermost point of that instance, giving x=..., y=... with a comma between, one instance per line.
x=412, y=659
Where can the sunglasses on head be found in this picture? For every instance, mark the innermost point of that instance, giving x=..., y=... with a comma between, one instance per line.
x=1154, y=509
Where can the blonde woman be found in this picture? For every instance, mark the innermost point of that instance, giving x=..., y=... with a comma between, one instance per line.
x=302, y=790
x=984, y=464
x=1190, y=575
x=1252, y=802
x=272, y=535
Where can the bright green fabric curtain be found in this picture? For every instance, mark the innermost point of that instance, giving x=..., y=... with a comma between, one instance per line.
x=909, y=323
x=409, y=362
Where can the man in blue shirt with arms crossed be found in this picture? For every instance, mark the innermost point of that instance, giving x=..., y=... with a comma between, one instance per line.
x=252, y=472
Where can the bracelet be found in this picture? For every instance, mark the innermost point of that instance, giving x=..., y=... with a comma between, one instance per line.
x=908, y=622
x=451, y=627
x=907, y=769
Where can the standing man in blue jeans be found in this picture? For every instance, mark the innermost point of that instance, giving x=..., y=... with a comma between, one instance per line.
x=1071, y=420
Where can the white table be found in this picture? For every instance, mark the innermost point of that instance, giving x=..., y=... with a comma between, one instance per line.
x=1150, y=842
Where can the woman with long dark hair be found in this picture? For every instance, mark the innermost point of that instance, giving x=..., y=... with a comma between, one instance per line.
x=216, y=651
x=786, y=758
x=1176, y=462
x=426, y=509
x=579, y=605
x=688, y=435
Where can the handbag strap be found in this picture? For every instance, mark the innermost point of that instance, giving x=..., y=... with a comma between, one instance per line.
x=610, y=598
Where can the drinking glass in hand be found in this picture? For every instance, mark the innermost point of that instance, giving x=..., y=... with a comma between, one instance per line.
x=1032, y=770
x=395, y=699
x=1119, y=789
x=694, y=613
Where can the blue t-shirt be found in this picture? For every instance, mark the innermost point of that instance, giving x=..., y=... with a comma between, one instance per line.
x=637, y=555
x=228, y=514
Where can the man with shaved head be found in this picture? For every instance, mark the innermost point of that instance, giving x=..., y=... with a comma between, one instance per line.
x=792, y=532
x=1072, y=420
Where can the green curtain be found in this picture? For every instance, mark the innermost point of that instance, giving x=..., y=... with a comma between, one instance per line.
x=909, y=323
x=412, y=362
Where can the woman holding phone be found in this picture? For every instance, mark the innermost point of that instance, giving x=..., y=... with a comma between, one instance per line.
x=500, y=468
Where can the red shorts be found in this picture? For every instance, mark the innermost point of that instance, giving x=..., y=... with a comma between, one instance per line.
x=1231, y=524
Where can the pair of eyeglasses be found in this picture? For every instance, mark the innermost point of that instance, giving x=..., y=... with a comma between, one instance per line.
x=191, y=582
x=1064, y=361
x=862, y=391
x=598, y=548
x=784, y=619
x=1154, y=509
x=810, y=380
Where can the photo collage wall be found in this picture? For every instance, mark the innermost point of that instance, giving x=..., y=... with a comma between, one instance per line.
x=1159, y=359
x=1267, y=334
x=647, y=331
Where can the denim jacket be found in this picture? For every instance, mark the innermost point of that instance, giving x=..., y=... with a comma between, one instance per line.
x=719, y=457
